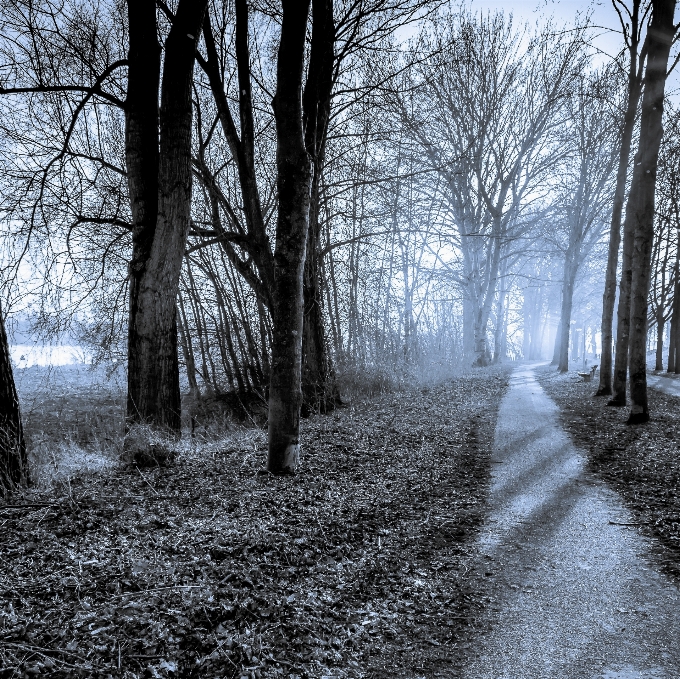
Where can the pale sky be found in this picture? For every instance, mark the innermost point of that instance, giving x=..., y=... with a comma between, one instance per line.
x=563, y=11
x=608, y=38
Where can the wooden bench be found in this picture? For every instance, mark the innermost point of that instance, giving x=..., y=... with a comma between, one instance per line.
x=588, y=377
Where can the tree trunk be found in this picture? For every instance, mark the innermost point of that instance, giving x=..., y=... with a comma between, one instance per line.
x=673, y=331
x=565, y=320
x=641, y=199
x=482, y=357
x=153, y=368
x=187, y=349
x=623, y=312
x=319, y=388
x=141, y=158
x=675, y=316
x=294, y=184
x=13, y=458
x=660, y=323
x=468, y=326
x=676, y=340
x=609, y=296
x=499, y=351
x=558, y=344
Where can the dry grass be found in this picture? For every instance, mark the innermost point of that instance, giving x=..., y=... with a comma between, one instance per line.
x=74, y=423
x=358, y=567
x=369, y=379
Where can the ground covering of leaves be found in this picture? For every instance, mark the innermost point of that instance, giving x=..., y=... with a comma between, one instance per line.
x=641, y=462
x=356, y=567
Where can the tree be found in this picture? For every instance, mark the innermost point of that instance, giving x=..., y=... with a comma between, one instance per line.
x=13, y=459
x=668, y=218
x=586, y=182
x=48, y=65
x=486, y=105
x=639, y=222
x=294, y=184
x=632, y=32
x=160, y=234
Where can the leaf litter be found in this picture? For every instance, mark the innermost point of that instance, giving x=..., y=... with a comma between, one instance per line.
x=359, y=566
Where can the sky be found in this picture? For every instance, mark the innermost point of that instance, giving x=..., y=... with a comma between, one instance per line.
x=607, y=37
x=563, y=11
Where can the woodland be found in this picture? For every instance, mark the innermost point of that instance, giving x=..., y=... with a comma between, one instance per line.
x=301, y=244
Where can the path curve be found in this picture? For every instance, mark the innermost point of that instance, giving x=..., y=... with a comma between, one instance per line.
x=664, y=381
x=573, y=594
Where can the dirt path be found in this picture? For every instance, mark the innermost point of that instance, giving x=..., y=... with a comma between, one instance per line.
x=574, y=595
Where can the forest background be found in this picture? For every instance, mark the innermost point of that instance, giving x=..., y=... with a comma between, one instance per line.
x=464, y=178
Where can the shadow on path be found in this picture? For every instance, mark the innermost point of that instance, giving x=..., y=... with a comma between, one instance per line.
x=573, y=595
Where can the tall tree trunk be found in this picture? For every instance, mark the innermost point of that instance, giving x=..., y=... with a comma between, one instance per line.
x=676, y=342
x=565, y=318
x=468, y=326
x=609, y=296
x=641, y=199
x=558, y=344
x=660, y=323
x=13, y=458
x=499, y=329
x=482, y=357
x=671, y=343
x=294, y=184
x=319, y=388
x=187, y=349
x=153, y=368
x=673, y=357
x=623, y=311
x=141, y=158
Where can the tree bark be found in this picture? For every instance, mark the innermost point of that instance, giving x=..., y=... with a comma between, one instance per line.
x=153, y=369
x=660, y=323
x=609, y=295
x=641, y=200
x=13, y=458
x=141, y=158
x=623, y=312
x=319, y=388
x=565, y=319
x=558, y=343
x=294, y=184
x=673, y=362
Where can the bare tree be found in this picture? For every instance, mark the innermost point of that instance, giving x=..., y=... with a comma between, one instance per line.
x=586, y=176
x=13, y=459
x=484, y=114
x=639, y=223
x=633, y=23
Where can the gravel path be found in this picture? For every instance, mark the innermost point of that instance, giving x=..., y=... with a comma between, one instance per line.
x=573, y=593
x=665, y=382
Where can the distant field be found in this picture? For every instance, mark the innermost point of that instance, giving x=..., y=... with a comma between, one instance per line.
x=73, y=418
x=28, y=355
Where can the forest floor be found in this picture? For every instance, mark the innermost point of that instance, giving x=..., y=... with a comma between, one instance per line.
x=359, y=566
x=640, y=462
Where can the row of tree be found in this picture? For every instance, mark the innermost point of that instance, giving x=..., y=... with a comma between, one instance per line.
x=281, y=191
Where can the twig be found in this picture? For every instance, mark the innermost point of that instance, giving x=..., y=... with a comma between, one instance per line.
x=145, y=481
x=42, y=652
x=158, y=589
x=618, y=523
x=28, y=506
